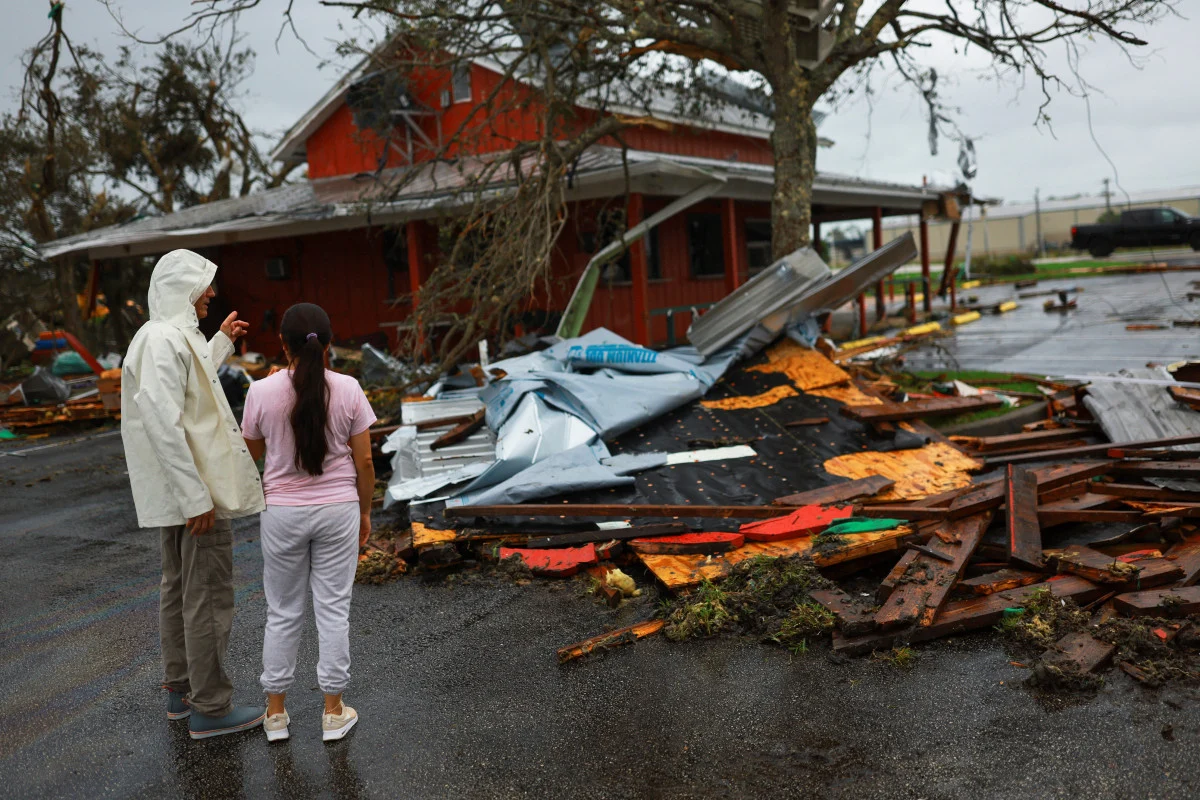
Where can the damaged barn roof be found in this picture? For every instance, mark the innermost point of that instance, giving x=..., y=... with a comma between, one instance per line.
x=393, y=196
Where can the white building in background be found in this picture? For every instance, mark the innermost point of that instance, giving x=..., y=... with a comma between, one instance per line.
x=1013, y=229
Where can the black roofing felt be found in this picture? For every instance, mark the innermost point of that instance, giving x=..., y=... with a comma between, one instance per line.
x=789, y=460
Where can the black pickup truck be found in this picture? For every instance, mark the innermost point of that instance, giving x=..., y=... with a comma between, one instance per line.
x=1141, y=227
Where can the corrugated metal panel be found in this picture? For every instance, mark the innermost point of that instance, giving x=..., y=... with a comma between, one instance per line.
x=775, y=288
x=478, y=448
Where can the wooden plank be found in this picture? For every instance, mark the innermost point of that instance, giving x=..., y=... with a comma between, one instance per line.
x=1186, y=556
x=986, y=498
x=1153, y=455
x=1148, y=493
x=1000, y=581
x=617, y=511
x=1021, y=521
x=1056, y=476
x=919, y=409
x=619, y=534
x=1065, y=492
x=444, y=422
x=1090, y=450
x=1159, y=469
x=806, y=422
x=1174, y=602
x=987, y=444
x=888, y=584
x=687, y=543
x=460, y=431
x=854, y=617
x=1080, y=652
x=1104, y=569
x=968, y=615
x=1159, y=510
x=604, y=641
x=839, y=492
x=928, y=580
x=910, y=513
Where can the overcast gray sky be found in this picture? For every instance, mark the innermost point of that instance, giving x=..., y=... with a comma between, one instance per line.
x=1146, y=120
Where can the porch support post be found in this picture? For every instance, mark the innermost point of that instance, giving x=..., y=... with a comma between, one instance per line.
x=729, y=231
x=639, y=274
x=416, y=262
x=926, y=288
x=949, y=271
x=876, y=243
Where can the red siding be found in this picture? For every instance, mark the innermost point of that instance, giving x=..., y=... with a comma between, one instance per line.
x=337, y=147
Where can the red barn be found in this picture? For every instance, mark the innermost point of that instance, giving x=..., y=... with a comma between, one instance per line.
x=339, y=239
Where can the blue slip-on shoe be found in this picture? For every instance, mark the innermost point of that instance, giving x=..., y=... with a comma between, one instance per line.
x=242, y=718
x=177, y=705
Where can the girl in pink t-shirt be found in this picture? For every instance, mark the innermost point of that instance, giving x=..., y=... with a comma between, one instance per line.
x=311, y=424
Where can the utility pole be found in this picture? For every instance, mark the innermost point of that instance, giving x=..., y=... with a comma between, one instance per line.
x=1037, y=211
x=1107, y=198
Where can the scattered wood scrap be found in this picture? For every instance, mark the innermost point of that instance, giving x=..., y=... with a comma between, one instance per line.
x=606, y=641
x=1080, y=653
x=1175, y=602
x=923, y=408
x=460, y=431
x=838, y=492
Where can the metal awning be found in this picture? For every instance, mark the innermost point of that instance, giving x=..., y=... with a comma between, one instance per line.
x=395, y=196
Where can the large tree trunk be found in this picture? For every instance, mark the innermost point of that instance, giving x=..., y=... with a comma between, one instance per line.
x=64, y=279
x=794, y=142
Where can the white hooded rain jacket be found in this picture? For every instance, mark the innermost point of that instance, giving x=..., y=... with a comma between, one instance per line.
x=183, y=447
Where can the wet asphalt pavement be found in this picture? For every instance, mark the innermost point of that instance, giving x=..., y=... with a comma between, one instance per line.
x=460, y=696
x=1090, y=340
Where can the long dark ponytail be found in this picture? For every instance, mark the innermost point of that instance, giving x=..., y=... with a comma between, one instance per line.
x=306, y=332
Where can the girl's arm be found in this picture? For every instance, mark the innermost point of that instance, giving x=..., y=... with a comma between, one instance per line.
x=256, y=447
x=360, y=449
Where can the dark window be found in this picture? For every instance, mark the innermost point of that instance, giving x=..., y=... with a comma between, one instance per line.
x=460, y=85
x=621, y=269
x=395, y=259
x=758, y=244
x=705, y=245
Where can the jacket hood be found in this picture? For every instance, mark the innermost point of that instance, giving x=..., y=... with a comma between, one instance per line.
x=179, y=278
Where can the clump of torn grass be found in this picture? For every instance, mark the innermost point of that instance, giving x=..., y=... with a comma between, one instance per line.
x=763, y=596
x=1043, y=621
x=899, y=657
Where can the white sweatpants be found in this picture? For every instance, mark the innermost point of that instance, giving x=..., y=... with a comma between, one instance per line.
x=307, y=546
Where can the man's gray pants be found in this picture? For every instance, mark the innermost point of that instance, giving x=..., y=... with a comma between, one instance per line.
x=303, y=547
x=195, y=611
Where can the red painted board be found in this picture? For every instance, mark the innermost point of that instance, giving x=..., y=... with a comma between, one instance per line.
x=554, y=562
x=689, y=543
x=801, y=522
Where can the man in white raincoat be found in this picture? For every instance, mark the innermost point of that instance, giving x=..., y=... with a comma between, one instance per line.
x=191, y=474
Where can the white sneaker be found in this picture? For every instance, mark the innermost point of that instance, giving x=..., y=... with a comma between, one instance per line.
x=335, y=726
x=276, y=726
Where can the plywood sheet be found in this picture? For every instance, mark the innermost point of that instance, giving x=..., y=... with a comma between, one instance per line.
x=684, y=572
x=423, y=536
x=918, y=473
x=806, y=369
x=767, y=398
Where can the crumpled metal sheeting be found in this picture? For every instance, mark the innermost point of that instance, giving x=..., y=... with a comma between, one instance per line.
x=775, y=288
x=576, y=469
x=418, y=470
x=544, y=409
